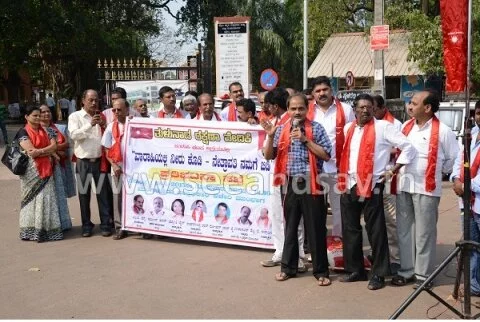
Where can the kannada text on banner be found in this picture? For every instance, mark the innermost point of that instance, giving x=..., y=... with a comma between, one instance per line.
x=197, y=180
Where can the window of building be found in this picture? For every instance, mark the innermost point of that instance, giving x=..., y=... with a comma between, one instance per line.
x=392, y=87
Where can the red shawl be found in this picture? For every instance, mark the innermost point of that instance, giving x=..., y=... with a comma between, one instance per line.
x=282, y=158
x=366, y=156
x=340, y=123
x=40, y=140
x=232, y=112
x=115, y=151
x=430, y=184
x=178, y=114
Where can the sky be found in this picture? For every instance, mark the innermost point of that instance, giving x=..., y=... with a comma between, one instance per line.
x=189, y=48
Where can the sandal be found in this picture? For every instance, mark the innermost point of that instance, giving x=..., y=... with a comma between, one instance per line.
x=398, y=280
x=324, y=281
x=281, y=276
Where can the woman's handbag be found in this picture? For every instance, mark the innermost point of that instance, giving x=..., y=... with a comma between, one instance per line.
x=14, y=159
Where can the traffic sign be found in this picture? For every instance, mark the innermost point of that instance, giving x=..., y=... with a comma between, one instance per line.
x=268, y=79
x=349, y=78
x=379, y=37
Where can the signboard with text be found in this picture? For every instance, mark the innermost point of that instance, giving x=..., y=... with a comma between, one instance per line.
x=379, y=37
x=206, y=181
x=232, y=48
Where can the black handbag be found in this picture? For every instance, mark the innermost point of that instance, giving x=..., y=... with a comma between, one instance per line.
x=14, y=159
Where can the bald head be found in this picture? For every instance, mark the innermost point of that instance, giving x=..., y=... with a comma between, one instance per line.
x=120, y=109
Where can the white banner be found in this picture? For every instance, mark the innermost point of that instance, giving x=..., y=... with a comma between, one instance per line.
x=232, y=48
x=197, y=180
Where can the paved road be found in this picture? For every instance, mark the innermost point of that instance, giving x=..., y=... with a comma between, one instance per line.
x=97, y=277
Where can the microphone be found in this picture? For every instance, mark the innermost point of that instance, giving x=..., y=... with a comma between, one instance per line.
x=295, y=123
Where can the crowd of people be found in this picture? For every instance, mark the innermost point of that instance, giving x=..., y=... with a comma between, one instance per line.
x=358, y=160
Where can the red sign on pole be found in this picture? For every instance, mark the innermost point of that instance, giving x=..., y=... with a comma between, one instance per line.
x=379, y=37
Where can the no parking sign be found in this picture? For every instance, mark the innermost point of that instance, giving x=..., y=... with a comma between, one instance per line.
x=269, y=79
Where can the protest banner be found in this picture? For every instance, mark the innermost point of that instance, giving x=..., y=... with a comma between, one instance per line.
x=195, y=180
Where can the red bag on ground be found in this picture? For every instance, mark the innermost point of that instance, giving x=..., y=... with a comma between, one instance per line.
x=335, y=254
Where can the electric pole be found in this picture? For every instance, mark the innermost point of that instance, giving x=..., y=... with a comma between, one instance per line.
x=378, y=66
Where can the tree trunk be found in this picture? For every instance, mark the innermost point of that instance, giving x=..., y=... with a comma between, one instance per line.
x=425, y=7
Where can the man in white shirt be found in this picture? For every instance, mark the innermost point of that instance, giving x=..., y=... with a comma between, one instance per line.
x=420, y=188
x=333, y=115
x=276, y=100
x=190, y=105
x=141, y=107
x=229, y=113
x=381, y=112
x=206, y=110
x=85, y=129
x=64, y=106
x=112, y=141
x=362, y=175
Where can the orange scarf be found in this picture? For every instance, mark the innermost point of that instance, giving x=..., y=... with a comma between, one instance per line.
x=115, y=151
x=388, y=117
x=264, y=116
x=178, y=114
x=40, y=140
x=430, y=184
x=194, y=216
x=340, y=123
x=366, y=155
x=215, y=114
x=232, y=112
x=282, y=120
x=282, y=158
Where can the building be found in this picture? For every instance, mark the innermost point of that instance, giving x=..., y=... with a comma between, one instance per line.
x=351, y=52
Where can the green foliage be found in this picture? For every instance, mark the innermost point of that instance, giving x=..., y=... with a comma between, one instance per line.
x=64, y=38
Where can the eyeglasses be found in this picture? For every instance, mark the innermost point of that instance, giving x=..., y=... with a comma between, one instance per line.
x=116, y=110
x=142, y=105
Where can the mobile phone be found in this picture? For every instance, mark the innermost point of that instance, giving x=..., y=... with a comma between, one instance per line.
x=97, y=112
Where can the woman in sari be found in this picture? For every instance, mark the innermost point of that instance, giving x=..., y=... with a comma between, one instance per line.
x=59, y=166
x=39, y=217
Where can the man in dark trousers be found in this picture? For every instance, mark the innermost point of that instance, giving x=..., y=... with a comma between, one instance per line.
x=299, y=148
x=85, y=129
x=361, y=178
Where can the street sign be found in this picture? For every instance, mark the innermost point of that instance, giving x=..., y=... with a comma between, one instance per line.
x=379, y=37
x=268, y=79
x=349, y=78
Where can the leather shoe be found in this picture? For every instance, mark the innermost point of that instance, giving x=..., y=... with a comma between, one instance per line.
x=106, y=233
x=376, y=283
x=418, y=283
x=121, y=234
x=354, y=277
x=86, y=233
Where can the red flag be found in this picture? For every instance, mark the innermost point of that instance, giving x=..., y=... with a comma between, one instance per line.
x=141, y=133
x=454, y=14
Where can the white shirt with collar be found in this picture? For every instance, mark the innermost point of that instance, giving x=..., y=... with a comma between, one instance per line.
x=87, y=138
x=386, y=136
x=412, y=176
x=213, y=119
x=329, y=121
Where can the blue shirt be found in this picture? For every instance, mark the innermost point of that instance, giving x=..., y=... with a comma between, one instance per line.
x=298, y=152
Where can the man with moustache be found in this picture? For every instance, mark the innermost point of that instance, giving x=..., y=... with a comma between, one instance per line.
x=420, y=188
x=361, y=179
x=300, y=146
x=276, y=100
x=206, y=110
x=246, y=111
x=264, y=114
x=112, y=141
x=229, y=113
x=85, y=129
x=333, y=115
x=169, y=110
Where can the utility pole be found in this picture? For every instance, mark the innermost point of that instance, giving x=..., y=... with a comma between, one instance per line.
x=305, y=44
x=378, y=66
